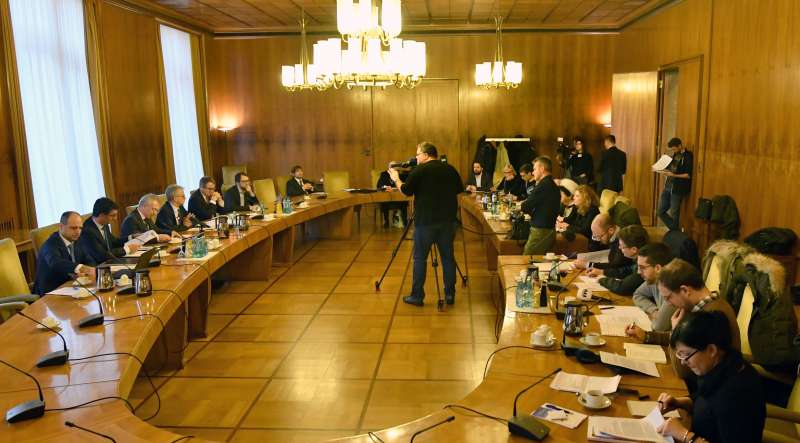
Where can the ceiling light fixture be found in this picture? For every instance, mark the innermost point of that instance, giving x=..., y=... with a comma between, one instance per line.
x=497, y=73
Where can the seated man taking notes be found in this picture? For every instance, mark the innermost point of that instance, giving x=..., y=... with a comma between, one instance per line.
x=61, y=256
x=605, y=234
x=206, y=202
x=240, y=197
x=650, y=260
x=96, y=238
x=297, y=185
x=140, y=220
x=172, y=216
x=624, y=280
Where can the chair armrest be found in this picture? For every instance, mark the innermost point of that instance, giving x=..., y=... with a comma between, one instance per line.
x=27, y=298
x=779, y=377
x=8, y=309
x=774, y=437
x=782, y=414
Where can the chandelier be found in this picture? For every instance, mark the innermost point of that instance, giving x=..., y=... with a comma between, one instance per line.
x=303, y=75
x=360, y=20
x=496, y=74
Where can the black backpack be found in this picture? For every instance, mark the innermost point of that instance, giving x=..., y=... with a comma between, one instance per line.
x=774, y=241
x=520, y=228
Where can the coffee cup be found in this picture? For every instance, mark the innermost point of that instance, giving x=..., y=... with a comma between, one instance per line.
x=546, y=329
x=592, y=338
x=540, y=337
x=550, y=255
x=593, y=398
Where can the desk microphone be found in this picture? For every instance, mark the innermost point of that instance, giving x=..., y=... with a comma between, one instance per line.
x=91, y=319
x=446, y=420
x=29, y=409
x=526, y=426
x=73, y=425
x=56, y=358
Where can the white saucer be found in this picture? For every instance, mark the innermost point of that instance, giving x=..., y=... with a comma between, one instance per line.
x=550, y=342
x=606, y=403
x=55, y=326
x=602, y=342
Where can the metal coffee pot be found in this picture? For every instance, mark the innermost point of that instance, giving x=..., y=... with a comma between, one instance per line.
x=142, y=283
x=574, y=318
x=105, y=280
x=243, y=222
x=222, y=227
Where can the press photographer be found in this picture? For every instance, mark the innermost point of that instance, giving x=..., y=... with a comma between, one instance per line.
x=435, y=186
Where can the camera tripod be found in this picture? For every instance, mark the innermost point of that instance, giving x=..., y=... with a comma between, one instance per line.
x=434, y=262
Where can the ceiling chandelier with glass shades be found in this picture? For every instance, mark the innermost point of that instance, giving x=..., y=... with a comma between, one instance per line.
x=303, y=75
x=497, y=73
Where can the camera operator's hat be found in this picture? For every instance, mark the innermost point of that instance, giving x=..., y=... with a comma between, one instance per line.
x=568, y=186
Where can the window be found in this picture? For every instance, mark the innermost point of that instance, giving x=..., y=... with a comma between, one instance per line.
x=176, y=51
x=63, y=154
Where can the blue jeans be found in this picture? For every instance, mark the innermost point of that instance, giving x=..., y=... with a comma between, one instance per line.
x=442, y=234
x=669, y=209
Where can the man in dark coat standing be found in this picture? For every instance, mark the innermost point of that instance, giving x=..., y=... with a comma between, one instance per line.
x=613, y=164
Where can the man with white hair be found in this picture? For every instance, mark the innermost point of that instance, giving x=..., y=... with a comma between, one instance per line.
x=141, y=220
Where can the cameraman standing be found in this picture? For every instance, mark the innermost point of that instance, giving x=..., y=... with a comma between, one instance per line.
x=435, y=186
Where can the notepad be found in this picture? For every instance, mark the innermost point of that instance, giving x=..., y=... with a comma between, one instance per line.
x=559, y=415
x=653, y=353
x=645, y=367
x=564, y=381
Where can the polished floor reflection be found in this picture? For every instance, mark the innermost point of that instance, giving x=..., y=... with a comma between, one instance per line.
x=315, y=353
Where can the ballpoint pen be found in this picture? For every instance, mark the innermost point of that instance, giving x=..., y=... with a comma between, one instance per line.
x=556, y=408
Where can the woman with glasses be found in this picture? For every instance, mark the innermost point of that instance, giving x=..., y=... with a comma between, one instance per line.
x=728, y=405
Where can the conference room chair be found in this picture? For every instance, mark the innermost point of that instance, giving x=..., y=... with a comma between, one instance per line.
x=783, y=424
x=265, y=192
x=336, y=180
x=162, y=198
x=280, y=184
x=130, y=209
x=40, y=235
x=14, y=290
x=607, y=200
x=228, y=175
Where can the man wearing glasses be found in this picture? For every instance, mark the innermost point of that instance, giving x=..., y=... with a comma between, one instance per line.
x=206, y=202
x=682, y=286
x=241, y=197
x=606, y=234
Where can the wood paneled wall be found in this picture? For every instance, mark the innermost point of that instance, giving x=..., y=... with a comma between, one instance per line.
x=566, y=91
x=10, y=215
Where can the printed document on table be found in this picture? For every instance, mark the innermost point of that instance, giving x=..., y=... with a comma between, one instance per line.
x=614, y=429
x=644, y=408
x=662, y=163
x=564, y=381
x=653, y=353
x=145, y=237
x=645, y=367
x=559, y=415
x=614, y=326
x=590, y=286
x=594, y=257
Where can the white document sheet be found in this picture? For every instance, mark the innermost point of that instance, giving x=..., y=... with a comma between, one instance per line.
x=145, y=237
x=615, y=429
x=594, y=287
x=662, y=163
x=595, y=257
x=614, y=326
x=644, y=408
x=645, y=367
x=564, y=381
x=72, y=291
x=653, y=353
x=559, y=415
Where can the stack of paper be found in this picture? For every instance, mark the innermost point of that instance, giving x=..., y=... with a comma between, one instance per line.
x=594, y=257
x=653, y=353
x=145, y=237
x=613, y=429
x=564, y=381
x=662, y=163
x=644, y=408
x=645, y=367
x=614, y=320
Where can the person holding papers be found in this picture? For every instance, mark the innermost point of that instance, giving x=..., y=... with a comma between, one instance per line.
x=96, y=237
x=624, y=280
x=650, y=260
x=62, y=255
x=240, y=196
x=206, y=202
x=677, y=186
x=729, y=404
x=605, y=233
x=172, y=216
x=682, y=286
x=140, y=220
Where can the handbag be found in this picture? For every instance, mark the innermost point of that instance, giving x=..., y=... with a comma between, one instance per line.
x=703, y=210
x=520, y=228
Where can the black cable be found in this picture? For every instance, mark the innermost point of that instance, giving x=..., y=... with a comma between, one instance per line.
x=185, y=437
x=374, y=437
x=489, y=359
x=455, y=406
x=111, y=397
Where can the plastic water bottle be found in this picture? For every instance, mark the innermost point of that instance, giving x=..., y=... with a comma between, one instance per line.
x=519, y=293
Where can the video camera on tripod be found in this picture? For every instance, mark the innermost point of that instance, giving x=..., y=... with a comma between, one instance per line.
x=563, y=152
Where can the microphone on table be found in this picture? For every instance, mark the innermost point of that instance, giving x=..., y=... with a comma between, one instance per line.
x=446, y=420
x=526, y=426
x=55, y=358
x=73, y=425
x=91, y=319
x=29, y=409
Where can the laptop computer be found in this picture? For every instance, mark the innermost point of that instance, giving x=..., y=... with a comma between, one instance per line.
x=144, y=261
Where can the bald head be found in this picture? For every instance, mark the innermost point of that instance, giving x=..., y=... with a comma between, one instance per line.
x=603, y=228
x=70, y=225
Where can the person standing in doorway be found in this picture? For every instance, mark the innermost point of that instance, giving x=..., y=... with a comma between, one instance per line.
x=677, y=186
x=613, y=164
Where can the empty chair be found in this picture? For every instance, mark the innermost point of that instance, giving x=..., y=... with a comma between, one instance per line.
x=14, y=290
x=336, y=180
x=228, y=174
x=40, y=235
x=607, y=200
x=265, y=191
x=280, y=184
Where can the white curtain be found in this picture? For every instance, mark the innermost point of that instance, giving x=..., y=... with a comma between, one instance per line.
x=50, y=47
x=176, y=51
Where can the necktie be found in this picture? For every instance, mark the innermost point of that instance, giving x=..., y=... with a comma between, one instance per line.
x=106, y=234
x=71, y=249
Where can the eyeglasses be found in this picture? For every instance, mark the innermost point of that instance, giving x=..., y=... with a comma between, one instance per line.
x=685, y=359
x=211, y=188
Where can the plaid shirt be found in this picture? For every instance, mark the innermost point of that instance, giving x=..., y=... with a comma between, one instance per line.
x=702, y=303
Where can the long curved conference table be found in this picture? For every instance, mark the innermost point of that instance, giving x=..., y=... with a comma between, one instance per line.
x=155, y=329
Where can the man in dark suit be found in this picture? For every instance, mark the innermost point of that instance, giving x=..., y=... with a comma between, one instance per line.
x=613, y=164
x=240, y=197
x=141, y=220
x=206, y=202
x=297, y=185
x=478, y=180
x=542, y=204
x=512, y=184
x=385, y=183
x=61, y=256
x=96, y=238
x=172, y=216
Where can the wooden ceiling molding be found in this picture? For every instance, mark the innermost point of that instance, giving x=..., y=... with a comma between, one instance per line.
x=281, y=16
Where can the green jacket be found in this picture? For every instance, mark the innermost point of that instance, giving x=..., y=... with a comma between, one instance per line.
x=624, y=214
x=729, y=255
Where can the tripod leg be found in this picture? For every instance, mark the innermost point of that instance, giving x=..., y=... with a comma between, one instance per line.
x=435, y=262
x=394, y=254
x=464, y=276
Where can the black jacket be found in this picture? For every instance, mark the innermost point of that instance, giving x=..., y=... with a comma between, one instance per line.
x=294, y=189
x=98, y=248
x=616, y=259
x=202, y=209
x=613, y=164
x=515, y=187
x=623, y=280
x=543, y=204
x=54, y=264
x=232, y=199
x=134, y=225
x=486, y=181
x=435, y=186
x=681, y=186
x=385, y=180
x=166, y=218
x=580, y=224
x=729, y=405
x=578, y=165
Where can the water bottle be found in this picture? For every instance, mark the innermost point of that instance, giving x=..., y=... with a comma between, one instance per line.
x=519, y=293
x=279, y=206
x=485, y=202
